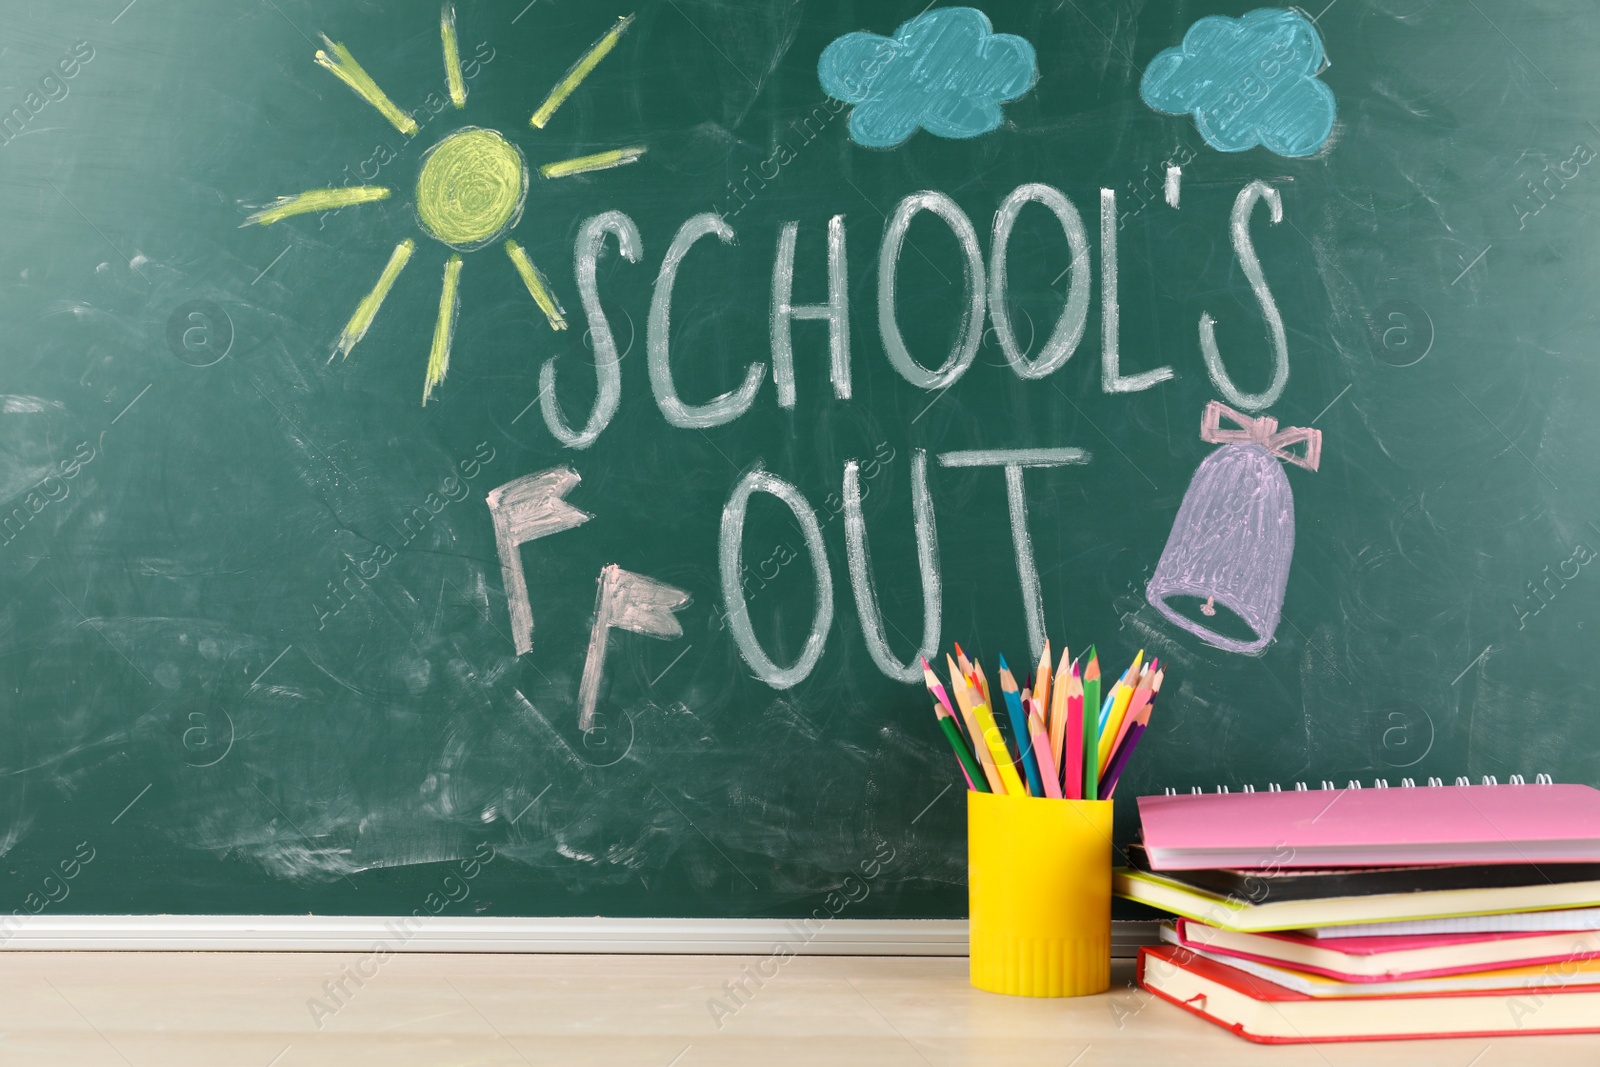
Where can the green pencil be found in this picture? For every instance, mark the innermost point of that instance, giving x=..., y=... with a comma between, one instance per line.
x=1091, y=727
x=968, y=764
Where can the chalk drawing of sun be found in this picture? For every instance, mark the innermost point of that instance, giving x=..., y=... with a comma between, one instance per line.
x=469, y=194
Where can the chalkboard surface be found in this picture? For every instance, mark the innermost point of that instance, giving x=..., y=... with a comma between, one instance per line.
x=263, y=606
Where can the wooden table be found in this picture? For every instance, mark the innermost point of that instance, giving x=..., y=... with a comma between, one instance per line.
x=296, y=1009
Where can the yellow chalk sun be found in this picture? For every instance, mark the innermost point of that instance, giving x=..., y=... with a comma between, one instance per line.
x=471, y=189
x=470, y=192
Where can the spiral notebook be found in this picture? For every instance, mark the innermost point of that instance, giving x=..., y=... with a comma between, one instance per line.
x=1373, y=827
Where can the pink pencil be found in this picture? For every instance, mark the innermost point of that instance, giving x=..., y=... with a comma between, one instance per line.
x=1072, y=757
x=1041, y=749
x=932, y=681
x=1141, y=699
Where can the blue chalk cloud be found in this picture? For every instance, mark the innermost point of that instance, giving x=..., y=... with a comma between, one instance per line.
x=1247, y=81
x=945, y=71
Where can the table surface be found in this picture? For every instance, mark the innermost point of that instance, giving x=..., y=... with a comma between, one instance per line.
x=288, y=1010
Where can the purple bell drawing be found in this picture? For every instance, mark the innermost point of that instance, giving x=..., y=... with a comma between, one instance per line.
x=1233, y=539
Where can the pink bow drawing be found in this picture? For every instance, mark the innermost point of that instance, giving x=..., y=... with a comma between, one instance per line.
x=1262, y=431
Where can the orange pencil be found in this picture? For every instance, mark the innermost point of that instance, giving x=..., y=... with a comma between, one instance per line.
x=1041, y=686
x=1056, y=720
x=983, y=682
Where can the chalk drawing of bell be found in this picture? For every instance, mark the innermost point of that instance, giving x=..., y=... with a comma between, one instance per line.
x=1226, y=565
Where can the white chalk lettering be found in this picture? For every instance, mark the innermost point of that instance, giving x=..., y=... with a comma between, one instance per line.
x=1250, y=263
x=859, y=557
x=728, y=406
x=731, y=553
x=1112, y=380
x=1014, y=460
x=607, y=370
x=836, y=312
x=970, y=333
x=1064, y=339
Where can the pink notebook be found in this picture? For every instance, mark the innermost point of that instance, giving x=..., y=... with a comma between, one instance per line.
x=1387, y=959
x=1373, y=827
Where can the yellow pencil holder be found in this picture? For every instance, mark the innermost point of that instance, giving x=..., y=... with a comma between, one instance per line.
x=1039, y=895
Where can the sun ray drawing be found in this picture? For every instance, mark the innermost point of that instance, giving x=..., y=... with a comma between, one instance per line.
x=470, y=191
x=580, y=70
x=317, y=200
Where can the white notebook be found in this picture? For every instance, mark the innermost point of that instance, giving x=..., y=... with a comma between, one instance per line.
x=1517, y=922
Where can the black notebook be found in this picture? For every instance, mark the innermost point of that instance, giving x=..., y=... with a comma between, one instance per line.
x=1313, y=884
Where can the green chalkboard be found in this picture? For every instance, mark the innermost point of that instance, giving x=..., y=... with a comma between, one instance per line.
x=262, y=606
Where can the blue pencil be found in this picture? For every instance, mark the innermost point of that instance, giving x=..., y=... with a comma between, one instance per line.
x=1019, y=730
x=1105, y=709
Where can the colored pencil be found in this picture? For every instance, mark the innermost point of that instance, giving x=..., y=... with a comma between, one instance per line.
x=1047, y=763
x=1129, y=680
x=1019, y=730
x=1056, y=720
x=964, y=702
x=1011, y=757
x=932, y=682
x=1103, y=716
x=969, y=766
x=983, y=682
x=1139, y=722
x=931, y=679
x=1091, y=726
x=1111, y=726
x=1062, y=736
x=1141, y=699
x=1072, y=764
x=1041, y=747
x=1120, y=764
x=1115, y=723
x=996, y=742
x=1041, y=688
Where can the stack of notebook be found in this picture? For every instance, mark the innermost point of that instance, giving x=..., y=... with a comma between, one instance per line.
x=1363, y=914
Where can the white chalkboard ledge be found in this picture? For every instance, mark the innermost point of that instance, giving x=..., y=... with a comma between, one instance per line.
x=311, y=933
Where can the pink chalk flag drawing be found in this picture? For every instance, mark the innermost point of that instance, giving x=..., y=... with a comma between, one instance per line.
x=626, y=601
x=534, y=506
x=524, y=510
x=1233, y=540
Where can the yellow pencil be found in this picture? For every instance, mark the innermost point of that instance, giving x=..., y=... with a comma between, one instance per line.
x=961, y=692
x=1137, y=703
x=996, y=743
x=1119, y=708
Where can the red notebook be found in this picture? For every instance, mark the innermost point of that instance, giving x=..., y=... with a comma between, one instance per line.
x=1388, y=959
x=1258, y=1010
x=1373, y=827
